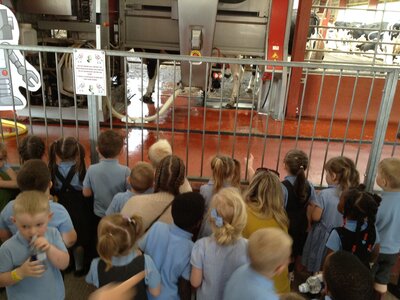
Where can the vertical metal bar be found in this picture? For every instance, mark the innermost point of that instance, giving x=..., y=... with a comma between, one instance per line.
x=395, y=140
x=158, y=99
x=351, y=110
x=1, y=130
x=236, y=113
x=43, y=97
x=173, y=110
x=331, y=123
x=381, y=127
x=316, y=117
x=203, y=136
x=94, y=129
x=188, y=121
x=12, y=96
x=75, y=102
x=28, y=94
x=126, y=109
x=109, y=96
x=365, y=116
x=220, y=110
x=301, y=108
x=141, y=107
x=59, y=94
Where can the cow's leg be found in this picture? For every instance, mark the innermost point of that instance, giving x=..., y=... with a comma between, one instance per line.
x=250, y=86
x=152, y=74
x=237, y=71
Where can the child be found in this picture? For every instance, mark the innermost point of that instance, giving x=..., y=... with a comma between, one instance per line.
x=216, y=257
x=341, y=174
x=141, y=181
x=300, y=191
x=35, y=176
x=67, y=168
x=265, y=209
x=119, y=260
x=225, y=173
x=170, y=245
x=8, y=179
x=106, y=178
x=387, y=221
x=31, y=147
x=169, y=177
x=269, y=252
x=347, y=278
x=157, y=152
x=23, y=277
x=358, y=234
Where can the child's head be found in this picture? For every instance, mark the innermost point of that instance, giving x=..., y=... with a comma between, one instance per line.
x=67, y=149
x=110, y=143
x=34, y=176
x=296, y=162
x=342, y=171
x=31, y=147
x=170, y=175
x=225, y=169
x=265, y=197
x=3, y=154
x=269, y=251
x=158, y=151
x=117, y=235
x=31, y=213
x=227, y=215
x=346, y=277
x=188, y=211
x=388, y=177
x=142, y=177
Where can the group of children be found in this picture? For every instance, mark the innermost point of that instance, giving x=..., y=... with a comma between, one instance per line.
x=225, y=242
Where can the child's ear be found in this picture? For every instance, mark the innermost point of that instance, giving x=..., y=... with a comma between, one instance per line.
x=12, y=218
x=50, y=216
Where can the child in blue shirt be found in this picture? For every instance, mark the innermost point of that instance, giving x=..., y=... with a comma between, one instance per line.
x=170, y=245
x=269, y=252
x=387, y=221
x=141, y=181
x=26, y=276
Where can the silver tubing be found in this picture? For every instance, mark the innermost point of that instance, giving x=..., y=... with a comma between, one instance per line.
x=158, y=99
x=301, y=109
x=109, y=94
x=28, y=94
x=316, y=118
x=43, y=98
x=173, y=110
x=12, y=96
x=331, y=125
x=381, y=127
x=126, y=109
x=349, y=115
x=1, y=130
x=59, y=94
x=236, y=116
x=75, y=102
x=220, y=110
x=395, y=140
x=142, y=105
x=188, y=121
x=203, y=135
x=365, y=118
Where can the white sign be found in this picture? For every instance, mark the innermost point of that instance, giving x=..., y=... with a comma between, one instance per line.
x=90, y=72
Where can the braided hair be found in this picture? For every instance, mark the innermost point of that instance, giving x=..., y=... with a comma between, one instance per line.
x=296, y=162
x=170, y=175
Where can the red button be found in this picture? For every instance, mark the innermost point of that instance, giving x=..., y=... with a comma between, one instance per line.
x=4, y=72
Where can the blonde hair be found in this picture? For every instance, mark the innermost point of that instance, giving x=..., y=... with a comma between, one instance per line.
x=390, y=171
x=224, y=168
x=3, y=151
x=229, y=205
x=31, y=202
x=142, y=176
x=265, y=197
x=345, y=171
x=268, y=249
x=158, y=151
x=117, y=236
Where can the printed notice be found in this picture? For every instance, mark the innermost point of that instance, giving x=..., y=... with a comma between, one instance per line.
x=90, y=72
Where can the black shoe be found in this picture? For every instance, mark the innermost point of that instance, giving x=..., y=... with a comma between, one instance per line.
x=147, y=100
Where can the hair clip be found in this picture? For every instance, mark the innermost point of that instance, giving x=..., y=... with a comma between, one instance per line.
x=301, y=167
x=219, y=222
x=130, y=220
x=109, y=234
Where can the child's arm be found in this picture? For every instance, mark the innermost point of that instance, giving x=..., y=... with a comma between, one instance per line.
x=69, y=238
x=4, y=235
x=87, y=192
x=196, y=277
x=57, y=257
x=12, y=182
x=87, y=187
x=250, y=167
x=316, y=214
x=153, y=277
x=27, y=269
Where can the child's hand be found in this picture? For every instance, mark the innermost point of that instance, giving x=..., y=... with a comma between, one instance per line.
x=250, y=160
x=31, y=269
x=41, y=244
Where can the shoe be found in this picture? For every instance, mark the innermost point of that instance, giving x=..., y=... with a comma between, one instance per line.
x=147, y=100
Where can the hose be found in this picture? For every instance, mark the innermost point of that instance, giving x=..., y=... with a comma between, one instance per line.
x=21, y=128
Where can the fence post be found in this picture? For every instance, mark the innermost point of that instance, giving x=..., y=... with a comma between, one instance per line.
x=94, y=127
x=382, y=121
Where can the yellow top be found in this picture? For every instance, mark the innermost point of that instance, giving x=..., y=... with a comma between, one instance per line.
x=254, y=222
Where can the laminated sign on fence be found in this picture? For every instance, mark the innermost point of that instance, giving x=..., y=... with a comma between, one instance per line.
x=90, y=72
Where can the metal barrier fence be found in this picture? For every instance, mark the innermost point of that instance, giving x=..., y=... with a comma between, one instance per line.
x=198, y=125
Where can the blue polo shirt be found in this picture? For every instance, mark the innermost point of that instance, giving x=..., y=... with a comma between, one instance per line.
x=14, y=252
x=60, y=220
x=120, y=199
x=106, y=179
x=152, y=277
x=388, y=223
x=170, y=247
x=245, y=283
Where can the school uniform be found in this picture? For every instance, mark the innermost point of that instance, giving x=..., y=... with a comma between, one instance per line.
x=50, y=286
x=64, y=167
x=217, y=263
x=120, y=200
x=106, y=179
x=314, y=249
x=246, y=283
x=170, y=247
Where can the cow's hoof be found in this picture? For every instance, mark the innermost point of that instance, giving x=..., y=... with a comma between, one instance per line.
x=229, y=105
x=147, y=100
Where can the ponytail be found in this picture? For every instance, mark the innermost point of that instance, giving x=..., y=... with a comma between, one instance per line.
x=300, y=186
x=106, y=247
x=217, y=167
